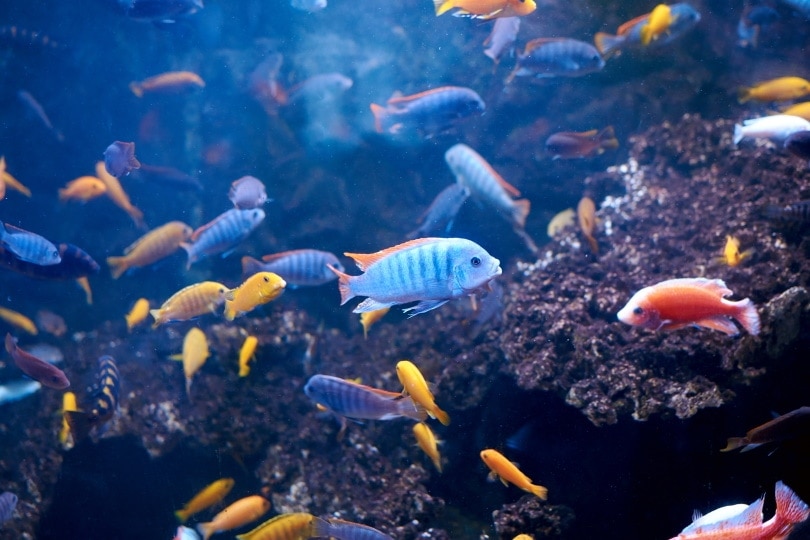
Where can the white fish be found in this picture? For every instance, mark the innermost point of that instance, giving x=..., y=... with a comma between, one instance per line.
x=17, y=390
x=777, y=127
x=502, y=38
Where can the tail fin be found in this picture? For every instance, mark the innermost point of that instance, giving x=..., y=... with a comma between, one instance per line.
x=188, y=248
x=441, y=416
x=136, y=89
x=519, y=212
x=747, y=316
x=205, y=530
x=743, y=95
x=380, y=117
x=790, y=509
x=539, y=491
x=442, y=6
x=181, y=515
x=344, y=285
x=735, y=442
x=155, y=313
x=738, y=133
x=251, y=266
x=607, y=139
x=608, y=44
x=118, y=266
x=79, y=423
x=320, y=528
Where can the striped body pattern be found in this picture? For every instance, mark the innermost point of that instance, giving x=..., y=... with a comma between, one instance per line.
x=299, y=267
x=293, y=526
x=429, y=112
x=346, y=530
x=430, y=271
x=28, y=247
x=192, y=301
x=557, y=57
x=485, y=184
x=151, y=247
x=75, y=263
x=222, y=234
x=103, y=395
x=796, y=214
x=358, y=401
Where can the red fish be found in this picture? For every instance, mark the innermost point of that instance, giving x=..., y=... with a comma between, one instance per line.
x=744, y=522
x=39, y=370
x=676, y=303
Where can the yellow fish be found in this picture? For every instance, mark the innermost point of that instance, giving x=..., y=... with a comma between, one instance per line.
x=69, y=404
x=731, y=252
x=657, y=24
x=415, y=386
x=84, y=283
x=246, y=354
x=195, y=353
x=258, y=289
x=296, y=526
x=138, y=313
x=781, y=89
x=508, y=473
x=82, y=189
x=155, y=245
x=236, y=515
x=19, y=320
x=799, y=109
x=523, y=537
x=118, y=196
x=9, y=181
x=370, y=318
x=189, y=302
x=206, y=498
x=586, y=212
x=426, y=440
x=560, y=221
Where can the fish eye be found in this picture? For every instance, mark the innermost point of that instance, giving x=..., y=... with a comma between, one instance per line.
x=476, y=262
x=266, y=279
x=638, y=311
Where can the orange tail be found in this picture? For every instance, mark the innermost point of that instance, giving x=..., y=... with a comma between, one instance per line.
x=118, y=265
x=520, y=212
x=344, y=284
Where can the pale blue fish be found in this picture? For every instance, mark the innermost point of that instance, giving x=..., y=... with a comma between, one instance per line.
x=298, y=267
x=683, y=18
x=17, y=390
x=247, y=192
x=222, y=234
x=430, y=112
x=186, y=533
x=28, y=247
x=486, y=185
x=556, y=57
x=345, y=530
x=442, y=211
x=502, y=37
x=8, y=502
x=360, y=402
x=321, y=88
x=430, y=271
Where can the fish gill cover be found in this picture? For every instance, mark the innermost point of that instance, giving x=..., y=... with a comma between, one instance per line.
x=623, y=425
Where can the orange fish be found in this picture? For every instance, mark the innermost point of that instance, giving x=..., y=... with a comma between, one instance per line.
x=82, y=189
x=485, y=9
x=744, y=522
x=509, y=473
x=586, y=212
x=172, y=82
x=151, y=247
x=118, y=195
x=676, y=303
x=6, y=180
x=236, y=515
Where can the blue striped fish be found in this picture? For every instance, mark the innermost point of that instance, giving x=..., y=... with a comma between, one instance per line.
x=430, y=271
x=17, y=390
x=298, y=267
x=485, y=184
x=430, y=112
x=345, y=530
x=222, y=234
x=442, y=211
x=360, y=402
x=28, y=247
x=8, y=502
x=556, y=57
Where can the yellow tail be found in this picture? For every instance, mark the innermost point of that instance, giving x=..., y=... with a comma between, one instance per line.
x=539, y=491
x=118, y=265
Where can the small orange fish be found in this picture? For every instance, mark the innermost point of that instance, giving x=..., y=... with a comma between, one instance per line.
x=426, y=440
x=570, y=144
x=138, y=313
x=82, y=189
x=236, y=515
x=507, y=472
x=676, y=303
x=117, y=194
x=6, y=180
x=151, y=247
x=172, y=82
x=486, y=9
x=586, y=213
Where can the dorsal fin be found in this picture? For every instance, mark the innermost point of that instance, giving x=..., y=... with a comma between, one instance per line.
x=537, y=42
x=398, y=99
x=280, y=255
x=628, y=26
x=717, y=286
x=365, y=260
